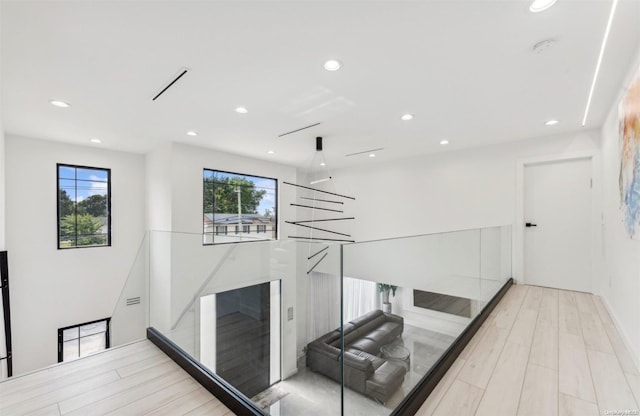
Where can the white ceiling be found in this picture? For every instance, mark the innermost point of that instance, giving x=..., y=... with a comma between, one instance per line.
x=464, y=68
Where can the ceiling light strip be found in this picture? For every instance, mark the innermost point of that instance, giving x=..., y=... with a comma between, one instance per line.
x=322, y=200
x=366, y=151
x=312, y=239
x=602, y=48
x=318, y=190
x=315, y=265
x=325, y=219
x=319, y=180
x=322, y=209
x=318, y=228
x=295, y=131
x=313, y=255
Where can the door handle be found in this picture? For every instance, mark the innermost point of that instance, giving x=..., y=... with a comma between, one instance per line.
x=529, y=224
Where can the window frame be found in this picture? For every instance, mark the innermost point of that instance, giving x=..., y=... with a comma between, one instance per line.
x=213, y=226
x=58, y=222
x=107, y=333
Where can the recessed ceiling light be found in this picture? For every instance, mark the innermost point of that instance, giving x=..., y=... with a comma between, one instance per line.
x=540, y=5
x=551, y=122
x=96, y=141
x=407, y=117
x=270, y=152
x=332, y=65
x=323, y=164
x=241, y=110
x=372, y=155
x=58, y=103
x=192, y=133
x=444, y=142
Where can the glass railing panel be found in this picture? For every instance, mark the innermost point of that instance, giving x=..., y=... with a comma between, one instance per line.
x=130, y=318
x=315, y=387
x=271, y=317
x=406, y=300
x=242, y=311
x=495, y=261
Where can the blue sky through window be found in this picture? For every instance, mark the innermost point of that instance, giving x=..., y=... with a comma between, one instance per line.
x=80, y=183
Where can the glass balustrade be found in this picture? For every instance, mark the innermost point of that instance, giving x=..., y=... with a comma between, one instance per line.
x=276, y=319
x=406, y=301
x=307, y=327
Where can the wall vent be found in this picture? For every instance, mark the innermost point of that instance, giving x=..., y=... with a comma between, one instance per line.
x=133, y=301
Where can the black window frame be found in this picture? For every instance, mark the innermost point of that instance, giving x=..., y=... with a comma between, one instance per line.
x=58, y=222
x=61, y=337
x=213, y=232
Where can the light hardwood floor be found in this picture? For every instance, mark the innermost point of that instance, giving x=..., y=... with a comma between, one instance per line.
x=541, y=352
x=137, y=379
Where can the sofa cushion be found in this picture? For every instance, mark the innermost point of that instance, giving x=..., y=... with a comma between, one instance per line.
x=329, y=338
x=375, y=361
x=386, y=333
x=385, y=381
x=353, y=336
x=391, y=327
x=372, y=324
x=378, y=336
x=361, y=320
x=350, y=335
x=366, y=345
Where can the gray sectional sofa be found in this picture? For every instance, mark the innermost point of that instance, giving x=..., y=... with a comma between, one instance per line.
x=364, y=370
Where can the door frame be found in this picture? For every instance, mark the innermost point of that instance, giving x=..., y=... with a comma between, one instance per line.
x=596, y=211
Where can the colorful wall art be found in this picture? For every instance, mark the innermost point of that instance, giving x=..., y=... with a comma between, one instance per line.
x=629, y=132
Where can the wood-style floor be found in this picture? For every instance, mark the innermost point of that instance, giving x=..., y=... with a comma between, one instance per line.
x=541, y=352
x=137, y=379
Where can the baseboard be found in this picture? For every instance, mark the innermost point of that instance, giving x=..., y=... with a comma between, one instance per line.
x=633, y=353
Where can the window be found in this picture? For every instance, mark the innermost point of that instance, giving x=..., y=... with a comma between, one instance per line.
x=84, y=206
x=238, y=200
x=84, y=339
x=261, y=228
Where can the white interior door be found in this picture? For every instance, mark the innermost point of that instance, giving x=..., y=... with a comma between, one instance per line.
x=557, y=242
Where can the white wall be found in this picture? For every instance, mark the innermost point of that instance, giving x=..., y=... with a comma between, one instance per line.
x=447, y=191
x=620, y=281
x=174, y=174
x=454, y=190
x=53, y=288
